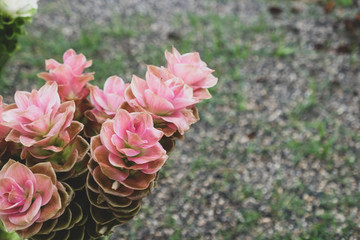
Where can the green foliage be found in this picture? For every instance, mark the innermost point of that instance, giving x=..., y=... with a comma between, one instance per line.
x=10, y=30
x=283, y=51
x=4, y=235
x=304, y=107
x=343, y=3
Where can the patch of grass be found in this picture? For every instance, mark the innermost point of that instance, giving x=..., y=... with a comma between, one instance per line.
x=247, y=191
x=285, y=204
x=319, y=145
x=342, y=3
x=284, y=50
x=104, y=44
x=322, y=229
x=304, y=107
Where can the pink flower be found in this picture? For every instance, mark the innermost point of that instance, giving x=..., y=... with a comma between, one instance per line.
x=39, y=120
x=128, y=149
x=193, y=71
x=166, y=97
x=69, y=75
x=28, y=196
x=108, y=101
x=3, y=129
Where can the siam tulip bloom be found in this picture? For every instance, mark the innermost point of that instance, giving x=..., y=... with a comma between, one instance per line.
x=5, y=147
x=193, y=71
x=39, y=122
x=28, y=197
x=128, y=150
x=18, y=8
x=108, y=101
x=69, y=75
x=3, y=129
x=166, y=97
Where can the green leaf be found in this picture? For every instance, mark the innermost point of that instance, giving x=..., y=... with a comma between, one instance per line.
x=283, y=51
x=4, y=235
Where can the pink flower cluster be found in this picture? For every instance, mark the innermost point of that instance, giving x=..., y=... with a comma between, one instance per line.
x=127, y=151
x=28, y=196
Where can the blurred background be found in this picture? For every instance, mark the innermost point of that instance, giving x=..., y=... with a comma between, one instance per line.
x=276, y=152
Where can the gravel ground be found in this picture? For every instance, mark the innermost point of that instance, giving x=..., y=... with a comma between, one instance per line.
x=279, y=166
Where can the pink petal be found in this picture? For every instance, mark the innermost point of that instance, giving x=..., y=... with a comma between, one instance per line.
x=112, y=172
x=6, y=167
x=26, y=141
x=202, y=93
x=113, y=103
x=106, y=184
x=30, y=216
x=20, y=173
x=22, y=99
x=138, y=86
x=44, y=187
x=51, y=64
x=181, y=121
x=68, y=53
x=129, y=152
x=116, y=161
x=77, y=63
x=52, y=207
x=121, y=123
x=158, y=86
x=150, y=154
x=118, y=142
x=50, y=100
x=63, y=120
x=13, y=136
x=139, y=181
x=98, y=98
x=114, y=84
x=152, y=136
x=63, y=74
x=157, y=104
x=39, y=126
x=181, y=103
x=30, y=190
x=192, y=59
x=154, y=166
x=140, y=121
x=194, y=77
x=134, y=140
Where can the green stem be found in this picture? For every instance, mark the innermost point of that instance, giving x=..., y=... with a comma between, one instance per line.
x=101, y=238
x=4, y=235
x=4, y=58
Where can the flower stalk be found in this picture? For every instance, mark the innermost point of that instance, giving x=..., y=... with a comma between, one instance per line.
x=13, y=16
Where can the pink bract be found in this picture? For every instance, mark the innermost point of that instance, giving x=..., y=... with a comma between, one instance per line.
x=166, y=97
x=28, y=196
x=39, y=119
x=107, y=102
x=193, y=71
x=69, y=75
x=129, y=151
x=3, y=129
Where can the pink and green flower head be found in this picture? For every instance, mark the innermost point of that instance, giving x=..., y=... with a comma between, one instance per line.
x=39, y=119
x=69, y=75
x=193, y=71
x=166, y=97
x=4, y=130
x=28, y=197
x=107, y=102
x=128, y=149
